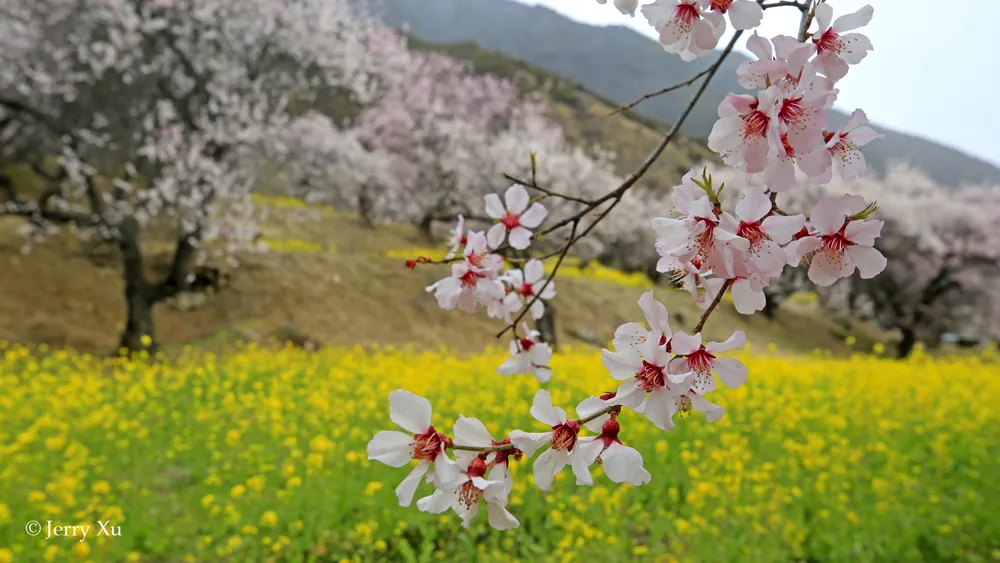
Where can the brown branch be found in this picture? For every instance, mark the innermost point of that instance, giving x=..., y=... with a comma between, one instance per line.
x=548, y=280
x=715, y=303
x=657, y=151
x=545, y=191
x=662, y=91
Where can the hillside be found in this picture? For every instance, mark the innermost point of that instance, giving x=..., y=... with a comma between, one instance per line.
x=621, y=65
x=586, y=117
x=318, y=275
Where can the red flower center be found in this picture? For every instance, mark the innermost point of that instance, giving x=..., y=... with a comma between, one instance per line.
x=510, y=220
x=527, y=289
x=650, y=377
x=837, y=242
x=526, y=344
x=700, y=360
x=687, y=12
x=469, y=494
x=564, y=435
x=792, y=110
x=753, y=233
x=428, y=445
x=829, y=41
x=755, y=125
x=721, y=5
x=471, y=278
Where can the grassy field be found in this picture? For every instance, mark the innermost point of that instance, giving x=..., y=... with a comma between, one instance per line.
x=342, y=284
x=260, y=456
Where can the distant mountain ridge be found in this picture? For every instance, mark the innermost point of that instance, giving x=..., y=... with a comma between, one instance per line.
x=622, y=65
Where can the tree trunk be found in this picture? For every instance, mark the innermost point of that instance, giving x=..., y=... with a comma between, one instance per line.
x=139, y=323
x=907, y=343
x=138, y=295
x=771, y=304
x=425, y=226
x=365, y=208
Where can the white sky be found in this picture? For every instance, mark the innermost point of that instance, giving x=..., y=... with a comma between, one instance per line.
x=935, y=70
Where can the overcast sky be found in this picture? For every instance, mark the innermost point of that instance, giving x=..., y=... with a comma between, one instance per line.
x=935, y=70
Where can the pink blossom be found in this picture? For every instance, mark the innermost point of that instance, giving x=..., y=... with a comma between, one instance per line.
x=647, y=386
x=747, y=129
x=744, y=14
x=566, y=447
x=472, y=282
x=528, y=282
x=456, y=238
x=764, y=231
x=396, y=449
x=622, y=464
x=514, y=219
x=693, y=356
x=841, y=151
x=702, y=236
x=528, y=355
x=634, y=334
x=835, y=49
x=836, y=245
x=684, y=27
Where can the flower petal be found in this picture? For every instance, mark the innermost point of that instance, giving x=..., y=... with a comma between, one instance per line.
x=584, y=455
x=623, y=464
x=533, y=216
x=409, y=411
x=391, y=448
x=869, y=260
x=529, y=442
x=520, y=238
x=731, y=371
x=517, y=199
x=547, y=464
x=494, y=208
x=471, y=432
x=406, y=488
x=543, y=410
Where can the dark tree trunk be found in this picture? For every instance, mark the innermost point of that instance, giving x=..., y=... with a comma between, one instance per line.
x=365, y=208
x=906, y=343
x=140, y=295
x=771, y=304
x=547, y=324
x=139, y=299
x=424, y=227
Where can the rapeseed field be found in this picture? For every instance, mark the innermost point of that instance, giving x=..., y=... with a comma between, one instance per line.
x=260, y=456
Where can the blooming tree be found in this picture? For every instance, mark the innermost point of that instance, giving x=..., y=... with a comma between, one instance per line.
x=156, y=113
x=713, y=247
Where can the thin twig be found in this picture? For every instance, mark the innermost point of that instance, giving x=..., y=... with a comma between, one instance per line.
x=662, y=91
x=545, y=191
x=715, y=303
x=548, y=280
x=657, y=151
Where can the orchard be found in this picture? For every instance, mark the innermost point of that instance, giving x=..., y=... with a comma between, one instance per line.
x=145, y=117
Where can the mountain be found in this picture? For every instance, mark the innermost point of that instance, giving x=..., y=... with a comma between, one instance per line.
x=621, y=65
